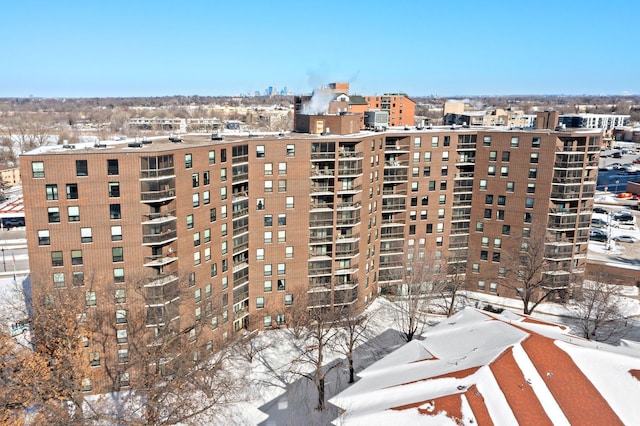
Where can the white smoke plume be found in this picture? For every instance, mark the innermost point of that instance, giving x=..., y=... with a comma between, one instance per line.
x=319, y=102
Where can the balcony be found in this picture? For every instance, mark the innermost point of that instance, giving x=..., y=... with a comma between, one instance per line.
x=349, y=205
x=321, y=238
x=160, y=260
x=158, y=196
x=345, y=238
x=349, y=189
x=322, y=173
x=321, y=206
x=158, y=218
x=349, y=171
x=159, y=238
x=157, y=173
x=347, y=221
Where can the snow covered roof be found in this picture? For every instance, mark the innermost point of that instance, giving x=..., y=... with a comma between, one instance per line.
x=483, y=368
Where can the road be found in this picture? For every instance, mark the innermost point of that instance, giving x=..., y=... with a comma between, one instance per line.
x=13, y=253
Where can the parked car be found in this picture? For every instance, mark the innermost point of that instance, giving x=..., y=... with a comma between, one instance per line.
x=625, y=239
x=597, y=235
x=623, y=216
x=598, y=223
x=600, y=210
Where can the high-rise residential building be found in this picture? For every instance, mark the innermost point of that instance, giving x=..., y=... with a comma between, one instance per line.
x=201, y=238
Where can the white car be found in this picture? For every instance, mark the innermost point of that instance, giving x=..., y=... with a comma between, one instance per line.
x=625, y=239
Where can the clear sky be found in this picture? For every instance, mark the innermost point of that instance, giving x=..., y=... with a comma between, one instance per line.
x=69, y=48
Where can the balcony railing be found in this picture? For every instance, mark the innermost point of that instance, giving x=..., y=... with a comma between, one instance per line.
x=162, y=238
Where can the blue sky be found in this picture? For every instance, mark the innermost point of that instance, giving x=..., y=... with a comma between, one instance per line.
x=68, y=48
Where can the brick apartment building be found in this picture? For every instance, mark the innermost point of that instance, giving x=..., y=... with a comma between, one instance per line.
x=205, y=238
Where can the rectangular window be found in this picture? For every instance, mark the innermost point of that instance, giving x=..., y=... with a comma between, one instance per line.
x=188, y=161
x=488, y=199
x=260, y=254
x=74, y=213
x=212, y=214
x=212, y=157
x=486, y=141
x=81, y=168
x=43, y=237
x=493, y=155
x=481, y=285
x=189, y=221
x=207, y=235
x=121, y=316
x=195, y=199
x=502, y=200
x=529, y=202
x=72, y=191
x=282, y=168
x=479, y=226
x=268, y=237
x=445, y=156
x=223, y=174
x=427, y=157
x=534, y=157
x=114, y=211
x=282, y=185
x=195, y=180
x=118, y=275
x=495, y=257
x=58, y=279
x=268, y=169
x=504, y=171
x=288, y=252
x=291, y=150
x=196, y=258
x=56, y=258
x=282, y=269
x=506, y=155
x=511, y=186
x=121, y=336
x=223, y=193
x=76, y=257
x=224, y=247
x=52, y=192
x=120, y=295
x=289, y=202
x=53, y=214
x=483, y=184
x=207, y=254
x=515, y=141
x=259, y=302
x=90, y=298
x=259, y=151
x=112, y=167
x=206, y=197
x=491, y=170
x=268, y=186
x=196, y=239
x=432, y=185
x=484, y=255
x=500, y=215
x=267, y=286
x=86, y=235
x=223, y=155
x=288, y=299
x=123, y=357
x=282, y=236
x=268, y=270
x=37, y=169
x=116, y=233
x=531, y=188
x=442, y=199
x=535, y=143
x=282, y=285
x=117, y=254
x=94, y=357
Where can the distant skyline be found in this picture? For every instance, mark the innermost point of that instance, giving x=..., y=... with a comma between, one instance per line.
x=421, y=48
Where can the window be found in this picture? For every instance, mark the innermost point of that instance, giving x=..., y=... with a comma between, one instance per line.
x=112, y=167
x=223, y=174
x=223, y=193
x=442, y=199
x=475, y=268
x=118, y=275
x=288, y=252
x=535, y=143
x=491, y=170
x=440, y=213
x=481, y=285
x=52, y=192
x=426, y=171
x=412, y=229
x=484, y=255
x=423, y=214
x=416, y=158
x=266, y=321
x=528, y=218
x=280, y=319
x=207, y=254
x=212, y=157
x=282, y=236
x=443, y=185
x=483, y=184
x=417, y=141
x=282, y=269
x=195, y=199
x=493, y=287
x=289, y=203
x=534, y=157
x=195, y=180
x=114, y=189
x=223, y=230
x=526, y=232
x=86, y=384
x=445, y=156
x=531, y=188
x=259, y=302
x=43, y=237
x=515, y=141
x=486, y=141
x=81, y=168
x=497, y=243
x=414, y=186
x=76, y=257
x=479, y=226
x=502, y=272
x=214, y=269
x=268, y=237
x=58, y=279
x=427, y=157
x=485, y=242
x=444, y=171
x=291, y=150
x=188, y=163
x=90, y=298
x=268, y=220
x=56, y=258
x=94, y=359
x=223, y=212
x=440, y=228
x=123, y=356
x=500, y=214
x=502, y=200
x=189, y=221
x=267, y=286
x=529, y=202
x=260, y=204
x=506, y=229
x=268, y=186
x=260, y=254
x=268, y=169
x=86, y=235
x=223, y=155
x=432, y=185
x=114, y=211
x=37, y=169
x=511, y=186
x=282, y=285
x=212, y=214
x=116, y=233
x=73, y=213
x=196, y=258
x=117, y=254
x=260, y=151
x=120, y=295
x=196, y=239
x=224, y=247
x=121, y=336
x=493, y=155
x=282, y=168
x=72, y=191
x=487, y=213
x=488, y=199
x=267, y=269
x=288, y=299
x=429, y=228
x=282, y=185
x=506, y=155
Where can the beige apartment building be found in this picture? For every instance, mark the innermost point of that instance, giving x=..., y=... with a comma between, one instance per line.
x=204, y=238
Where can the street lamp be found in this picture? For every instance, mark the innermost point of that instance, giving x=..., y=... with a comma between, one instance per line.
x=4, y=264
x=617, y=182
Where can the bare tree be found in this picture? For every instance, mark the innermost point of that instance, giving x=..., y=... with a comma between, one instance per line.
x=525, y=271
x=414, y=298
x=354, y=322
x=598, y=309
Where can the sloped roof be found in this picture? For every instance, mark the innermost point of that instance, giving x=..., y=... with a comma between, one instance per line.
x=483, y=368
x=357, y=100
